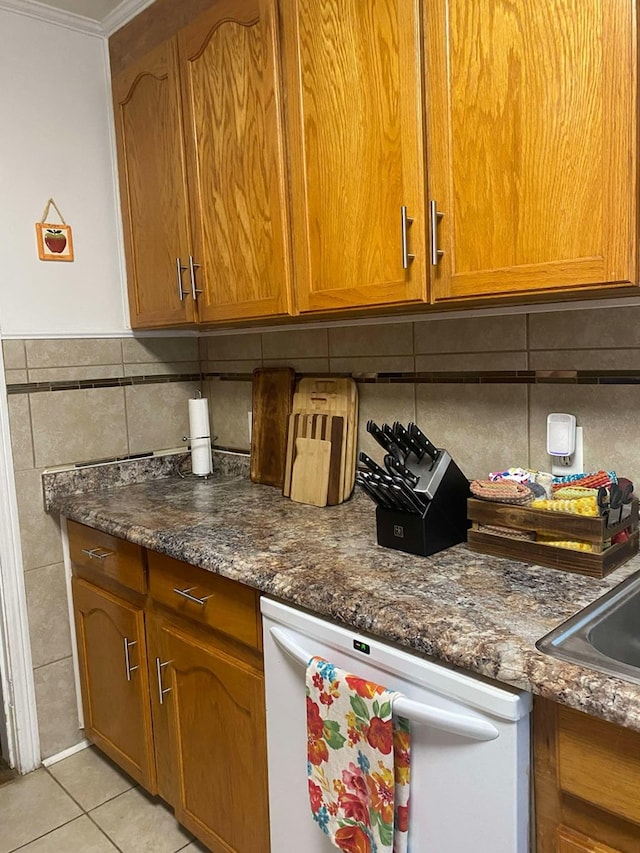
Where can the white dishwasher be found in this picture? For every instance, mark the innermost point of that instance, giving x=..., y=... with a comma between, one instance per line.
x=469, y=741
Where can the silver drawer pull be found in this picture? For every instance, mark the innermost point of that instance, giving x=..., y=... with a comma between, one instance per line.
x=186, y=593
x=127, y=663
x=405, y=222
x=435, y=217
x=97, y=553
x=159, y=667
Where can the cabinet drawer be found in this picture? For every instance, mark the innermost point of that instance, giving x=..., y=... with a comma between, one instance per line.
x=205, y=598
x=107, y=555
x=592, y=751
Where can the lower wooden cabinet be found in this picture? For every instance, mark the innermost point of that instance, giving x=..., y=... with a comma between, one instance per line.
x=173, y=686
x=214, y=709
x=113, y=679
x=587, y=778
x=573, y=842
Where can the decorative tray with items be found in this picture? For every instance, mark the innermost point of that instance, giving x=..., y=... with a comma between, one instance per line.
x=581, y=523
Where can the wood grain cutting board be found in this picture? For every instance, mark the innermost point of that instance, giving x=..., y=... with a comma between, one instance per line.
x=325, y=479
x=272, y=395
x=338, y=397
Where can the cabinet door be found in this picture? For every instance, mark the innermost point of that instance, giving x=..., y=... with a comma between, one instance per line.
x=574, y=842
x=229, y=64
x=216, y=719
x=153, y=189
x=532, y=157
x=113, y=678
x=354, y=107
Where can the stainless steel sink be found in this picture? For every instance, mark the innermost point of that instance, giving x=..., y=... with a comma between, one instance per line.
x=604, y=636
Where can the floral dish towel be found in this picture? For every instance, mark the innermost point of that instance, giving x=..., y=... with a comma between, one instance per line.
x=358, y=761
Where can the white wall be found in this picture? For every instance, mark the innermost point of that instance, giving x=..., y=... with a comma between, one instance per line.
x=56, y=140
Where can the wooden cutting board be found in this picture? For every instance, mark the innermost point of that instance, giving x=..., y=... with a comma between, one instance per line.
x=272, y=395
x=310, y=427
x=338, y=397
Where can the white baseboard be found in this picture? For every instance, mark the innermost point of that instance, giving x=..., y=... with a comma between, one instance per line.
x=66, y=753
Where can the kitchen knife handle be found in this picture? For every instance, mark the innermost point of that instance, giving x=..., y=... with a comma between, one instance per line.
x=405, y=223
x=374, y=430
x=371, y=464
x=429, y=448
x=435, y=217
x=405, y=439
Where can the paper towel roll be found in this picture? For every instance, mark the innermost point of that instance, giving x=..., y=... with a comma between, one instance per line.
x=200, y=436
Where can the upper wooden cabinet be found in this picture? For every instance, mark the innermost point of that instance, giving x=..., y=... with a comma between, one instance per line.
x=532, y=145
x=202, y=171
x=354, y=108
x=153, y=189
x=230, y=65
x=425, y=153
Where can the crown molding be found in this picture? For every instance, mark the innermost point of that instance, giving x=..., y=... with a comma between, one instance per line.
x=42, y=12
x=122, y=14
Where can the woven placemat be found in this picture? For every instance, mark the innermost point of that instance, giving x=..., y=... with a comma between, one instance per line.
x=508, y=532
x=503, y=491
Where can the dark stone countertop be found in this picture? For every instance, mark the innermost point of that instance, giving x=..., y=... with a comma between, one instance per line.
x=480, y=613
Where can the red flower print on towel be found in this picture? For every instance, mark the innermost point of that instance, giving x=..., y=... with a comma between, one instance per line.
x=315, y=796
x=317, y=751
x=402, y=819
x=363, y=688
x=353, y=778
x=380, y=735
x=351, y=839
x=354, y=807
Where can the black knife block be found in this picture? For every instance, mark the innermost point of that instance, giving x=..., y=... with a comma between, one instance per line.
x=443, y=524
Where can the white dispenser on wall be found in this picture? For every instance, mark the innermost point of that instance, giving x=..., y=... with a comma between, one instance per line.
x=564, y=444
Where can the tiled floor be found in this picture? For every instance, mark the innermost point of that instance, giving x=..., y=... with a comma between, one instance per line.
x=84, y=804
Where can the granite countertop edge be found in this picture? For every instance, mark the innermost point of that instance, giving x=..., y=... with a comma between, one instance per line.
x=479, y=613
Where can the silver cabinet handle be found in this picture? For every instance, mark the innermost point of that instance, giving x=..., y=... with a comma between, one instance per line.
x=192, y=275
x=435, y=217
x=179, y=270
x=186, y=593
x=405, y=223
x=127, y=663
x=159, y=667
x=97, y=553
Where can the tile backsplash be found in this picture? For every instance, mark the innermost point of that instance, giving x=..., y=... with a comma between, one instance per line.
x=76, y=400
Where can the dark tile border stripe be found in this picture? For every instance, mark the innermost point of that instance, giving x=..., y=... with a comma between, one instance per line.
x=497, y=377
x=109, y=382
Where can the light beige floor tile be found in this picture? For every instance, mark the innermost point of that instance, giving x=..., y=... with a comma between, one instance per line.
x=30, y=807
x=136, y=823
x=194, y=847
x=79, y=836
x=91, y=778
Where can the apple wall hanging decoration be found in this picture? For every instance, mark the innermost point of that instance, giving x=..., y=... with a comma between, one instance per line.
x=54, y=239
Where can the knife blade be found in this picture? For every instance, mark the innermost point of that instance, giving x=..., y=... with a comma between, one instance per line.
x=430, y=449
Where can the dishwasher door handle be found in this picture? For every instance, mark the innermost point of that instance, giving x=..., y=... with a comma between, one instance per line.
x=415, y=712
